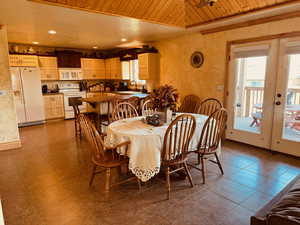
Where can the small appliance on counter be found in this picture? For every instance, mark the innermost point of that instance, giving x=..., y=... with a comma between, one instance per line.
x=123, y=86
x=51, y=89
x=144, y=90
x=45, y=89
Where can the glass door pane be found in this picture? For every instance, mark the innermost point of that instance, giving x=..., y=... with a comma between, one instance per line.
x=291, y=118
x=249, y=93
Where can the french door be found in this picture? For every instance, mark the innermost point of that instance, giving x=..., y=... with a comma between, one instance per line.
x=264, y=95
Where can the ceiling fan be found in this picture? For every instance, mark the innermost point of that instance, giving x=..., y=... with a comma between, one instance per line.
x=203, y=3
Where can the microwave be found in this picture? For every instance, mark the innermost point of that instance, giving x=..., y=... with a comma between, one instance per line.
x=70, y=74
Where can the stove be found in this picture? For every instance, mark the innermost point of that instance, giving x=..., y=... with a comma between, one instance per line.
x=72, y=90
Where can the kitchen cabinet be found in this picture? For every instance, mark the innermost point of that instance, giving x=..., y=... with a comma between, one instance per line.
x=68, y=59
x=90, y=108
x=48, y=68
x=23, y=60
x=54, y=106
x=148, y=66
x=93, y=68
x=113, y=68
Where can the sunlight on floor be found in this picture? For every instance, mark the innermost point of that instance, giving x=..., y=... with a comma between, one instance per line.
x=244, y=124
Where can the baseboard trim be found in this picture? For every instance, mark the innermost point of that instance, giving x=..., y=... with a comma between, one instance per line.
x=10, y=145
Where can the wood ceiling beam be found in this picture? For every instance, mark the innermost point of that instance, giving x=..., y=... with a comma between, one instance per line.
x=284, y=16
x=243, y=13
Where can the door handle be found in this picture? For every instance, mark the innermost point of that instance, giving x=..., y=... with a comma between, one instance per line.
x=278, y=103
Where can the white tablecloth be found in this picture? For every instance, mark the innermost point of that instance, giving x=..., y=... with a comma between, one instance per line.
x=146, y=143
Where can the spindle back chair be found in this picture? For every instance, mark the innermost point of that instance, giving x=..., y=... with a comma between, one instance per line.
x=189, y=104
x=124, y=110
x=210, y=139
x=208, y=106
x=176, y=145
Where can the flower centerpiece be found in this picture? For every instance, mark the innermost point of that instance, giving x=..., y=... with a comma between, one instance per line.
x=165, y=99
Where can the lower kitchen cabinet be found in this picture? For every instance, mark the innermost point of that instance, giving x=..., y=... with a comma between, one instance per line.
x=54, y=106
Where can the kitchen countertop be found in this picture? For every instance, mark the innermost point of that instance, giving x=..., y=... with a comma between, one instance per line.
x=108, y=98
x=53, y=93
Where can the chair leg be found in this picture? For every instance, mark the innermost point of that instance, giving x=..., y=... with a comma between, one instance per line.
x=93, y=175
x=80, y=134
x=188, y=174
x=253, y=122
x=203, y=168
x=139, y=183
x=219, y=163
x=199, y=158
x=107, y=181
x=168, y=182
x=75, y=126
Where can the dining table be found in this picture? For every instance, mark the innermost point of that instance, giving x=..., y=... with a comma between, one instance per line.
x=146, y=142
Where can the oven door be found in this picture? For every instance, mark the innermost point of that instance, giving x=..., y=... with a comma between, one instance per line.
x=69, y=111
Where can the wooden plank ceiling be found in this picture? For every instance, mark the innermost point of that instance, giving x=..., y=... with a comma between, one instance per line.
x=182, y=13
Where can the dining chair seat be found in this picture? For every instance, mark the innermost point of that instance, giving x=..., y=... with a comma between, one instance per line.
x=110, y=163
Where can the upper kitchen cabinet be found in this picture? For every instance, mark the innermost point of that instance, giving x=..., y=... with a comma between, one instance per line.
x=148, y=66
x=48, y=67
x=93, y=68
x=113, y=68
x=68, y=59
x=23, y=60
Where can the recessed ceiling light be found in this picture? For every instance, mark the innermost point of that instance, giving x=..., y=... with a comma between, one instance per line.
x=95, y=47
x=123, y=39
x=35, y=42
x=52, y=32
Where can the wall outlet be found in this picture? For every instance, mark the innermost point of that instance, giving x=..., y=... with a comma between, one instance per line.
x=220, y=87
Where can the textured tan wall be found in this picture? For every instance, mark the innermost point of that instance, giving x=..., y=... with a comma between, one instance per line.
x=8, y=124
x=175, y=55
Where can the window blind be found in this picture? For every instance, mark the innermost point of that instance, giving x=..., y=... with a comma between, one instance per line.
x=251, y=51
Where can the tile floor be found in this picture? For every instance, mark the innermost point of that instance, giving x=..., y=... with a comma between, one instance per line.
x=46, y=182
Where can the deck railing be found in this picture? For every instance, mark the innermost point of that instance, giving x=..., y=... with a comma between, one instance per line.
x=255, y=95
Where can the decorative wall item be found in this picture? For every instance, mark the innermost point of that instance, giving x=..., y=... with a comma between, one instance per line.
x=197, y=59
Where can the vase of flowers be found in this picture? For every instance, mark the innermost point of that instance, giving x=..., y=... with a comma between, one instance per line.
x=165, y=99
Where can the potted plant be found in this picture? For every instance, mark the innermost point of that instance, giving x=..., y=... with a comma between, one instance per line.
x=165, y=99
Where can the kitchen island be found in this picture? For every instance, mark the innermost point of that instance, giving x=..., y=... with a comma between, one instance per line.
x=103, y=103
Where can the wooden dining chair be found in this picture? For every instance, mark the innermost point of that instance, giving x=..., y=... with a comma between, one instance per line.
x=135, y=102
x=148, y=108
x=105, y=158
x=208, y=106
x=210, y=138
x=175, y=146
x=124, y=110
x=75, y=102
x=189, y=104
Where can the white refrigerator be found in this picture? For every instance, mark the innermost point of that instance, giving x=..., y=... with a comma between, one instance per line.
x=26, y=83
